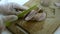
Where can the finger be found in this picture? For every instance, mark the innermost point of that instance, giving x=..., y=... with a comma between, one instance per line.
x=17, y=6
x=13, y=12
x=10, y=18
x=40, y=16
x=2, y=25
x=30, y=15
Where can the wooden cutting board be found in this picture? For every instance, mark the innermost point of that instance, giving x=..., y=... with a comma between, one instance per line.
x=48, y=26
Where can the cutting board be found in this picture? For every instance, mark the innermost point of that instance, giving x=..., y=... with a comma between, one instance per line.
x=48, y=26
